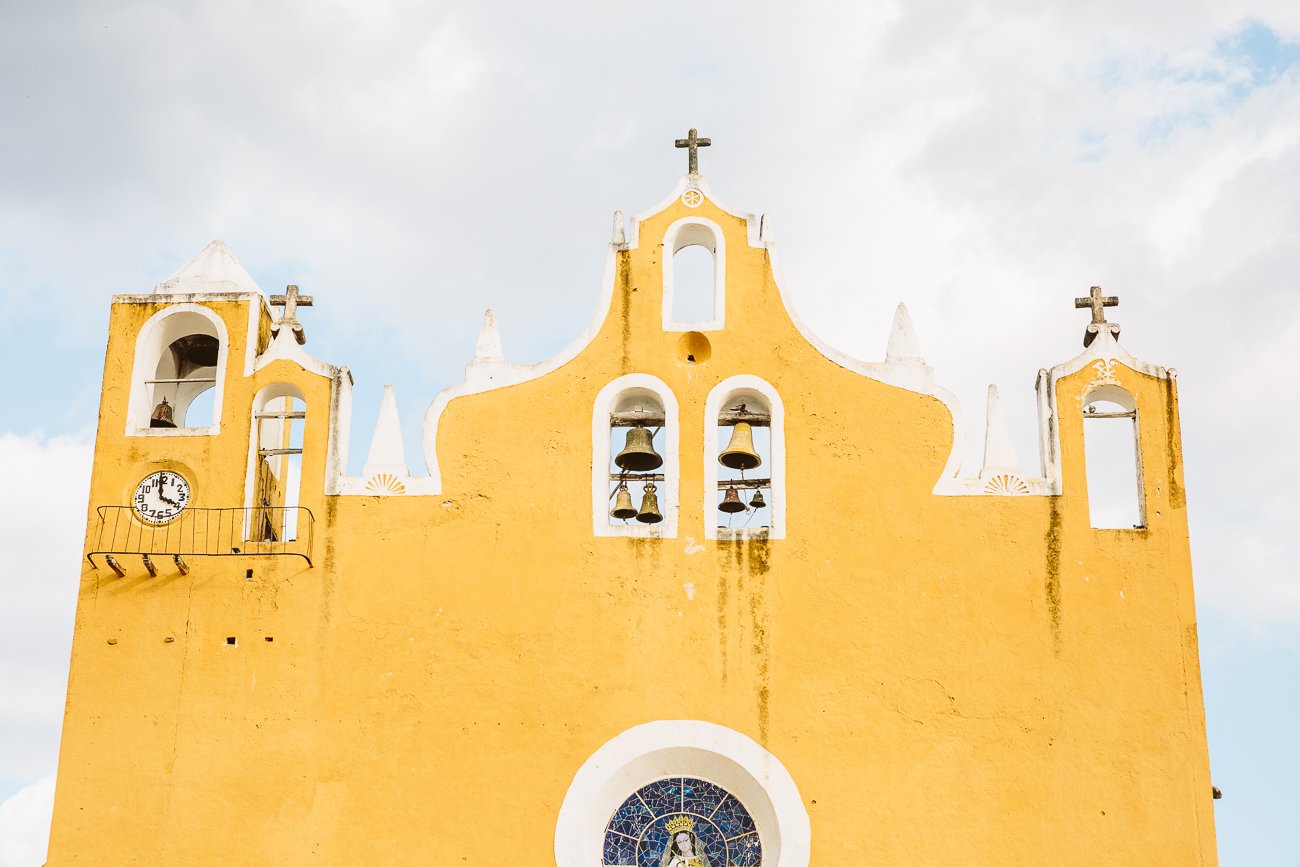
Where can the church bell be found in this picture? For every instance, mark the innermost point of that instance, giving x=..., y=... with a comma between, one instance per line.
x=649, y=513
x=739, y=453
x=623, y=508
x=731, y=502
x=757, y=502
x=162, y=415
x=639, y=455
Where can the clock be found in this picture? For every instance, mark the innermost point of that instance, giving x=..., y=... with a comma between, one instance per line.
x=161, y=497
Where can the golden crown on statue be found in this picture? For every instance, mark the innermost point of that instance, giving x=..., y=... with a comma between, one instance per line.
x=680, y=823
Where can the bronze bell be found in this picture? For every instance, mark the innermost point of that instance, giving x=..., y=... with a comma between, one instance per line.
x=649, y=513
x=731, y=502
x=758, y=502
x=162, y=415
x=639, y=455
x=739, y=453
x=623, y=508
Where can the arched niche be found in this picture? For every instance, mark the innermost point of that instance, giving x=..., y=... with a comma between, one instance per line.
x=691, y=749
x=180, y=356
x=275, y=454
x=694, y=237
x=636, y=399
x=765, y=413
x=1113, y=459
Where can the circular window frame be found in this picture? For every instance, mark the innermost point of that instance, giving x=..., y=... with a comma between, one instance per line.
x=690, y=748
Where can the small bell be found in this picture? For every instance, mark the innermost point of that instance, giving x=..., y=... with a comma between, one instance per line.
x=758, y=502
x=623, y=508
x=649, y=513
x=739, y=453
x=731, y=502
x=639, y=455
x=162, y=415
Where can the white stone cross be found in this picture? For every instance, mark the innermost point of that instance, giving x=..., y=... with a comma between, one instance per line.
x=291, y=301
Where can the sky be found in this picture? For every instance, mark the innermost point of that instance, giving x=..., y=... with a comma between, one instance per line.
x=411, y=164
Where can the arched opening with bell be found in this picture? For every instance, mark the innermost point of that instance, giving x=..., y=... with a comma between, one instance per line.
x=744, y=460
x=634, y=487
x=179, y=365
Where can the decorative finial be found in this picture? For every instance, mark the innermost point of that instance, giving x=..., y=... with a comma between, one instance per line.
x=999, y=453
x=903, y=347
x=386, y=452
x=488, y=346
x=693, y=143
x=1098, y=303
x=620, y=233
x=290, y=301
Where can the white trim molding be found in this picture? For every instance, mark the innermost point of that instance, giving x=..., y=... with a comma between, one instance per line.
x=698, y=232
x=607, y=401
x=742, y=387
x=691, y=748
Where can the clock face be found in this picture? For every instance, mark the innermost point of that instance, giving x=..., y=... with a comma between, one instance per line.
x=161, y=496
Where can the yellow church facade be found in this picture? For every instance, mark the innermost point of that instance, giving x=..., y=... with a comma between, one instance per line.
x=864, y=656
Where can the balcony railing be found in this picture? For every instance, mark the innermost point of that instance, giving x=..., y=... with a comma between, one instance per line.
x=238, y=532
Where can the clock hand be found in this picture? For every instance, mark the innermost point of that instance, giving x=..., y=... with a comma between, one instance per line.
x=163, y=496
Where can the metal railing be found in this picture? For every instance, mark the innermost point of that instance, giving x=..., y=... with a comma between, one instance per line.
x=235, y=532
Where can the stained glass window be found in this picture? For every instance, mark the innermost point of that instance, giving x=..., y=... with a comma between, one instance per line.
x=718, y=829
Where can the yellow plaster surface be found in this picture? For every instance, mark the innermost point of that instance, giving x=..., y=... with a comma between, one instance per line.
x=949, y=680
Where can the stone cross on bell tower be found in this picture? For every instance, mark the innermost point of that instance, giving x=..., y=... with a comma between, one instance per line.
x=693, y=143
x=1098, y=303
x=291, y=301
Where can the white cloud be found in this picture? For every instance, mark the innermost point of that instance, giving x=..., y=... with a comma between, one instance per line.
x=42, y=526
x=25, y=824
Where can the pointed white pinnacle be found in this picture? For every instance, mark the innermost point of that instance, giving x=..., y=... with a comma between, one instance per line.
x=999, y=453
x=903, y=347
x=215, y=269
x=386, y=452
x=488, y=345
x=620, y=232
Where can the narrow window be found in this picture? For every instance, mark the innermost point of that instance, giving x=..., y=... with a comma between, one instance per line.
x=694, y=275
x=279, y=418
x=693, y=284
x=1114, y=467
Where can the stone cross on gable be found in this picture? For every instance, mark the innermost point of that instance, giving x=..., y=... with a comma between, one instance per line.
x=1098, y=303
x=693, y=143
x=291, y=301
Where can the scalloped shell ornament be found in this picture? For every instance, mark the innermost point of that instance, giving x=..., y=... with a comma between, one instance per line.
x=385, y=484
x=1006, y=485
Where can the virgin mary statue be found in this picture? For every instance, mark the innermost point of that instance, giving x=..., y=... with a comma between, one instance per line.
x=683, y=848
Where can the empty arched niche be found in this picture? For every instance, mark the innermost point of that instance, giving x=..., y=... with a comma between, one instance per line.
x=275, y=464
x=744, y=460
x=180, y=361
x=1113, y=459
x=634, y=458
x=695, y=266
